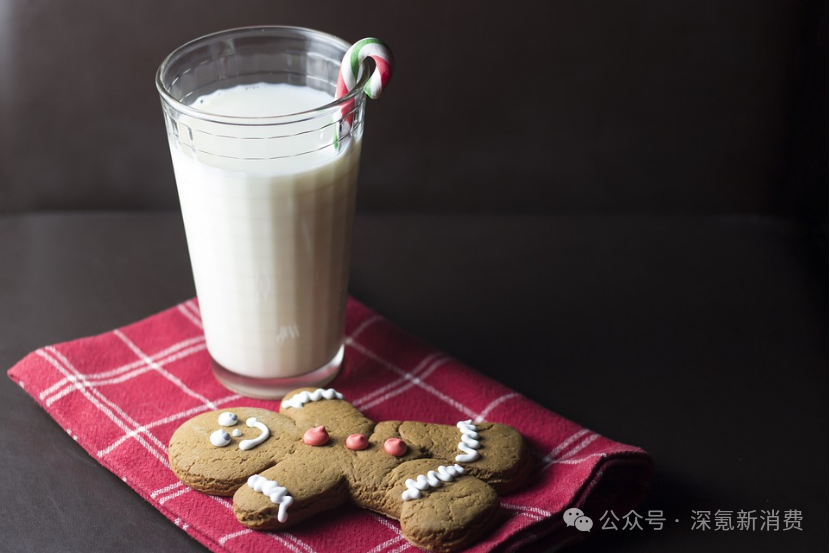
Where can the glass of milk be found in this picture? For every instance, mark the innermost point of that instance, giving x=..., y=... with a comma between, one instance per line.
x=266, y=165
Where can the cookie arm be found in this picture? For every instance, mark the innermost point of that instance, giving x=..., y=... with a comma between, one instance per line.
x=495, y=453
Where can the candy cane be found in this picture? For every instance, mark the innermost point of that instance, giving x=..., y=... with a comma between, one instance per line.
x=351, y=69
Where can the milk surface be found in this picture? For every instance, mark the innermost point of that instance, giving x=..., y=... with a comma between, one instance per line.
x=268, y=230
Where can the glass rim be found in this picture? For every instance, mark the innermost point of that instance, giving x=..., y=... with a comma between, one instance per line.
x=186, y=109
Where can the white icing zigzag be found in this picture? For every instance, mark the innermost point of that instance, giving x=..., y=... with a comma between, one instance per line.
x=297, y=401
x=275, y=492
x=432, y=479
x=469, y=442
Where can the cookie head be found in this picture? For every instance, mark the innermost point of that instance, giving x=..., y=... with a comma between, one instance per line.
x=216, y=452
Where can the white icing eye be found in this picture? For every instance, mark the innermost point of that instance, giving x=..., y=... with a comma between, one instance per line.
x=236, y=433
x=220, y=438
x=228, y=419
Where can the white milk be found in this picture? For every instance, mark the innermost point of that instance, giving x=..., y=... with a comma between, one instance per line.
x=269, y=239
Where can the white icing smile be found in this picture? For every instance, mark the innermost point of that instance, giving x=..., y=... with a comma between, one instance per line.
x=252, y=422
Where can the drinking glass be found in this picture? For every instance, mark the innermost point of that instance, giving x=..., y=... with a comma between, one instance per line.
x=267, y=203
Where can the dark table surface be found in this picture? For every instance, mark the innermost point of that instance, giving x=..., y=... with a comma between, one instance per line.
x=701, y=339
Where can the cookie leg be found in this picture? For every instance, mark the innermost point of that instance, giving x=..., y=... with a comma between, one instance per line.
x=450, y=517
x=288, y=494
x=443, y=517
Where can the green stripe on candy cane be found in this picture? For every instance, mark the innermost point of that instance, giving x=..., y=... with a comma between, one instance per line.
x=351, y=69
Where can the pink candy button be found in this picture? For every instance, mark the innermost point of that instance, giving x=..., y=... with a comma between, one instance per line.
x=357, y=442
x=395, y=447
x=316, y=436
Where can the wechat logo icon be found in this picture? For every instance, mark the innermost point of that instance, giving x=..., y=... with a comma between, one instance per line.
x=576, y=518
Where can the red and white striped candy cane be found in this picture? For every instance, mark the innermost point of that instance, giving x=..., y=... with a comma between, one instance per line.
x=351, y=69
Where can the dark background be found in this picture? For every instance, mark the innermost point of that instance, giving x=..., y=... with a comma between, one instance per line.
x=546, y=107
x=616, y=208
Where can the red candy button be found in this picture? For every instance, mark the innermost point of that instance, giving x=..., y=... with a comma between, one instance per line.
x=316, y=436
x=357, y=442
x=395, y=447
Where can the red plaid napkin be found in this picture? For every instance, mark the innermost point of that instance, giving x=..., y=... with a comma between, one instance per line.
x=122, y=394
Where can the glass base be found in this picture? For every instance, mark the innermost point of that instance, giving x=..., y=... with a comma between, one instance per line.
x=276, y=388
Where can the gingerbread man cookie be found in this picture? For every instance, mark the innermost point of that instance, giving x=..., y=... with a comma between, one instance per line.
x=440, y=481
